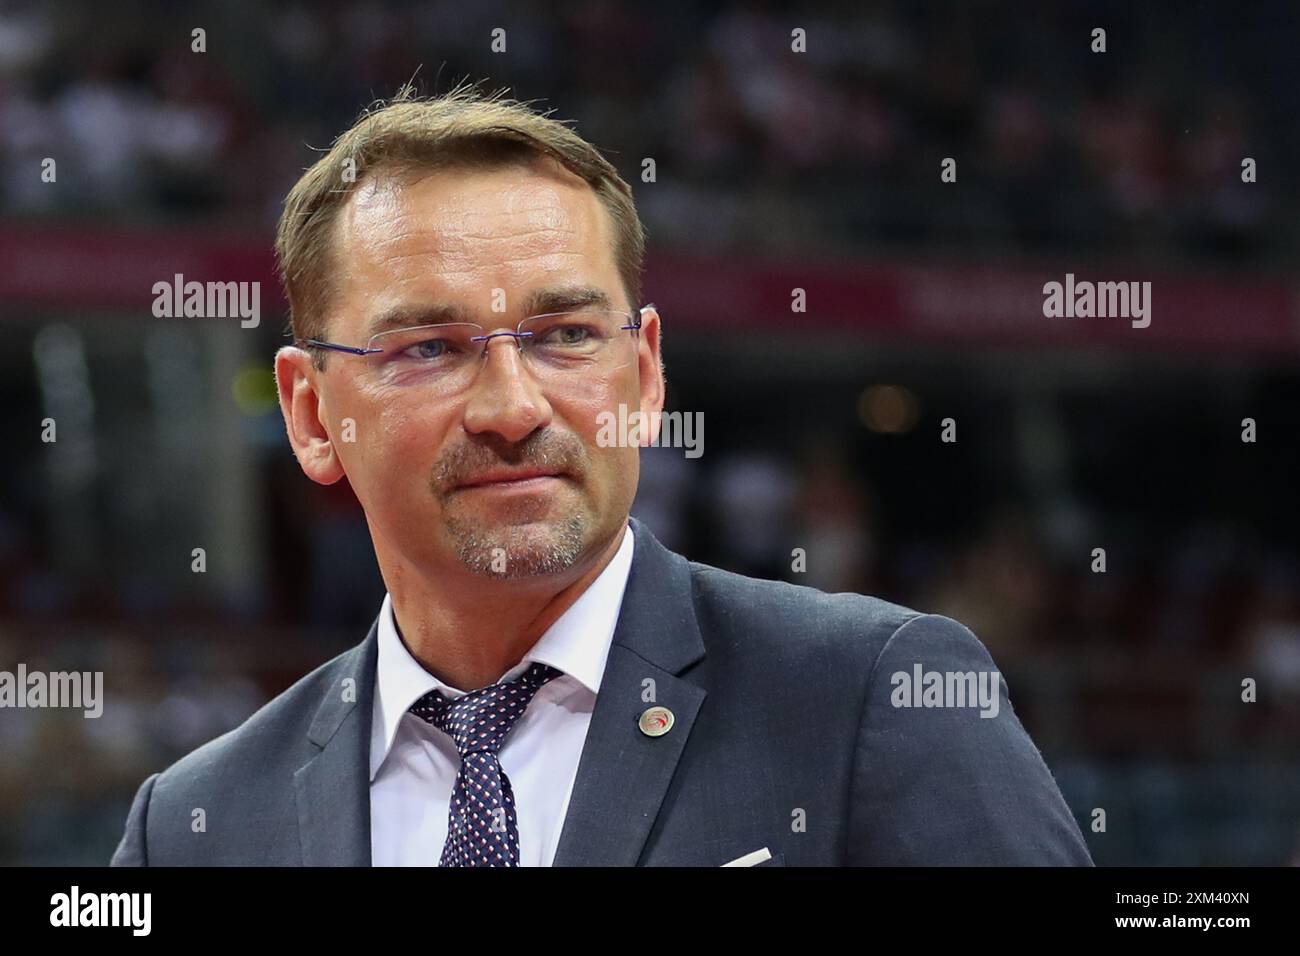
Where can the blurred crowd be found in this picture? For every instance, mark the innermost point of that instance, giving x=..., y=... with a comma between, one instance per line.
x=1057, y=146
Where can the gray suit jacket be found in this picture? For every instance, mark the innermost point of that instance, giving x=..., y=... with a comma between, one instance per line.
x=785, y=738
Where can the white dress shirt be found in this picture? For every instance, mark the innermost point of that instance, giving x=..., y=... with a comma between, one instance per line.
x=413, y=764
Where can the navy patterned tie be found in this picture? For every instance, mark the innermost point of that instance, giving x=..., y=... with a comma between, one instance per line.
x=482, y=829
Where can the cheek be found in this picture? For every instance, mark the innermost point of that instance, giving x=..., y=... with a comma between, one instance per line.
x=614, y=468
x=394, y=453
x=622, y=388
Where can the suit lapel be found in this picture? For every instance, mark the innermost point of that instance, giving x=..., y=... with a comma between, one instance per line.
x=333, y=787
x=623, y=774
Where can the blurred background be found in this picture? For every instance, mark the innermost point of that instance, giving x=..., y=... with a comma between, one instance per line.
x=774, y=171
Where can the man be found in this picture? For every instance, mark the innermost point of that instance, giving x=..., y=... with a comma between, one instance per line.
x=545, y=683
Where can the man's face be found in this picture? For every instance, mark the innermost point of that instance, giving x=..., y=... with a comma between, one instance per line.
x=416, y=459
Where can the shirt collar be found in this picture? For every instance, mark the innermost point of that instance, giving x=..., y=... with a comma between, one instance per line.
x=577, y=644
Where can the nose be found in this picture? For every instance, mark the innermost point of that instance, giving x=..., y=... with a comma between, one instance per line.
x=505, y=397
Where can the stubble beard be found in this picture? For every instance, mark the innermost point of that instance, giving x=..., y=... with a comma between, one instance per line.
x=520, y=551
x=523, y=538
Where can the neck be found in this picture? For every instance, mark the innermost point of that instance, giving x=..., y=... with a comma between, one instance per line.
x=468, y=630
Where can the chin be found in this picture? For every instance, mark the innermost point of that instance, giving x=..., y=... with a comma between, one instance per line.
x=509, y=551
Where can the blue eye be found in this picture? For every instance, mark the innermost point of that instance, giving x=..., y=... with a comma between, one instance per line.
x=567, y=335
x=426, y=349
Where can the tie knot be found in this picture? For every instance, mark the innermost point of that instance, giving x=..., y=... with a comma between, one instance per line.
x=479, y=721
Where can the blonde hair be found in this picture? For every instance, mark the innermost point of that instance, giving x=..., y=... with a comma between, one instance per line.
x=407, y=133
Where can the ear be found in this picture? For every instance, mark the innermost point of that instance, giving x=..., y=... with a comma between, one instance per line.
x=653, y=382
x=298, y=383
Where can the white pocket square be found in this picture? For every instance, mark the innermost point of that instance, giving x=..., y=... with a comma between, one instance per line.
x=751, y=859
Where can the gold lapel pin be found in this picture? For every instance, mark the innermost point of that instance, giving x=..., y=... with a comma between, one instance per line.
x=656, y=721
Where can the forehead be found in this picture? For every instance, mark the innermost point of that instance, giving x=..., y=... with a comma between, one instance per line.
x=459, y=234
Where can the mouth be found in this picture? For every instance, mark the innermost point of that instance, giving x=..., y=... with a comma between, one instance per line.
x=523, y=480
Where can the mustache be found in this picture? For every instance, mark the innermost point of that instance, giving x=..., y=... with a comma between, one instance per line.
x=553, y=451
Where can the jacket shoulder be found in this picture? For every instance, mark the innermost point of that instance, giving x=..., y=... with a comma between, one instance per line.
x=793, y=618
x=275, y=731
